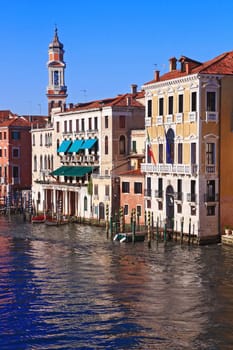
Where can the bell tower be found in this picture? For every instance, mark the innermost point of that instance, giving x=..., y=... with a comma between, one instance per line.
x=56, y=89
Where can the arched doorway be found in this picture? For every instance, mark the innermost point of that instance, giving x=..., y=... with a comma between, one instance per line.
x=101, y=211
x=170, y=206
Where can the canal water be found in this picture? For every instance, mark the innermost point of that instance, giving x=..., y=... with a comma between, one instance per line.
x=70, y=287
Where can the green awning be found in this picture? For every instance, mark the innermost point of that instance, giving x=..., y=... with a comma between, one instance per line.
x=75, y=147
x=64, y=146
x=78, y=171
x=88, y=144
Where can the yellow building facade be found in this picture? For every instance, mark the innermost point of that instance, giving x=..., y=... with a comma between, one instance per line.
x=188, y=115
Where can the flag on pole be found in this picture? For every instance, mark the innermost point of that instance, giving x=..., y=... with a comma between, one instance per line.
x=150, y=151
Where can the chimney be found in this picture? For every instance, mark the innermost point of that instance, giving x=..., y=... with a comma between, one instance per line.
x=187, y=67
x=172, y=63
x=133, y=88
x=156, y=77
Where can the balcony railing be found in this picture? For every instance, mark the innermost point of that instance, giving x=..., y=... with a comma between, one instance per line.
x=147, y=192
x=178, y=196
x=169, y=168
x=158, y=193
x=211, y=197
x=191, y=197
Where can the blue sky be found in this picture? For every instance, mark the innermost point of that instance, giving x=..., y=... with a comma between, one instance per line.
x=109, y=45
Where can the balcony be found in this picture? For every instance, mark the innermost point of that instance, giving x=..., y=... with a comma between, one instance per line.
x=210, y=169
x=211, y=116
x=192, y=117
x=147, y=122
x=174, y=169
x=178, y=196
x=147, y=192
x=191, y=197
x=159, y=194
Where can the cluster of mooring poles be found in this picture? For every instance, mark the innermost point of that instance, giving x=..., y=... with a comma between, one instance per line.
x=158, y=231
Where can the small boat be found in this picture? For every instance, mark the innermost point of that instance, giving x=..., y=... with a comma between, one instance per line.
x=129, y=237
x=38, y=219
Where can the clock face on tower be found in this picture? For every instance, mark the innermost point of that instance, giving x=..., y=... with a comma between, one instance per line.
x=56, y=78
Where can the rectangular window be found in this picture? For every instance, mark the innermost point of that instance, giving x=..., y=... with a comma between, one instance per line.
x=148, y=187
x=0, y=171
x=138, y=210
x=137, y=187
x=77, y=125
x=15, y=152
x=15, y=135
x=134, y=146
x=180, y=153
x=96, y=123
x=160, y=187
x=194, y=101
x=106, y=190
x=170, y=105
x=4, y=135
x=89, y=124
x=0, y=136
x=211, y=101
x=82, y=124
x=210, y=191
x=96, y=189
x=106, y=122
x=149, y=108
x=160, y=153
x=70, y=125
x=161, y=106
x=57, y=127
x=193, y=153
x=210, y=153
x=180, y=103
x=125, y=187
x=65, y=126
x=126, y=209
x=0, y=152
x=179, y=208
x=179, y=189
x=122, y=121
x=15, y=171
x=210, y=210
x=193, y=190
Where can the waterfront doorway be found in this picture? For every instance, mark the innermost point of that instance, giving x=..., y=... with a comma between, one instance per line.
x=170, y=206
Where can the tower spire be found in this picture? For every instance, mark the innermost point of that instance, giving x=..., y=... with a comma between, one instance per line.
x=56, y=89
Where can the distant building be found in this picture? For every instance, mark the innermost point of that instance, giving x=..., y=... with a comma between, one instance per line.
x=189, y=124
x=15, y=158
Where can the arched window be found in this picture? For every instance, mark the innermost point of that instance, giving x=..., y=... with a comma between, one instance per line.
x=35, y=164
x=170, y=146
x=122, y=144
x=41, y=140
x=106, y=145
